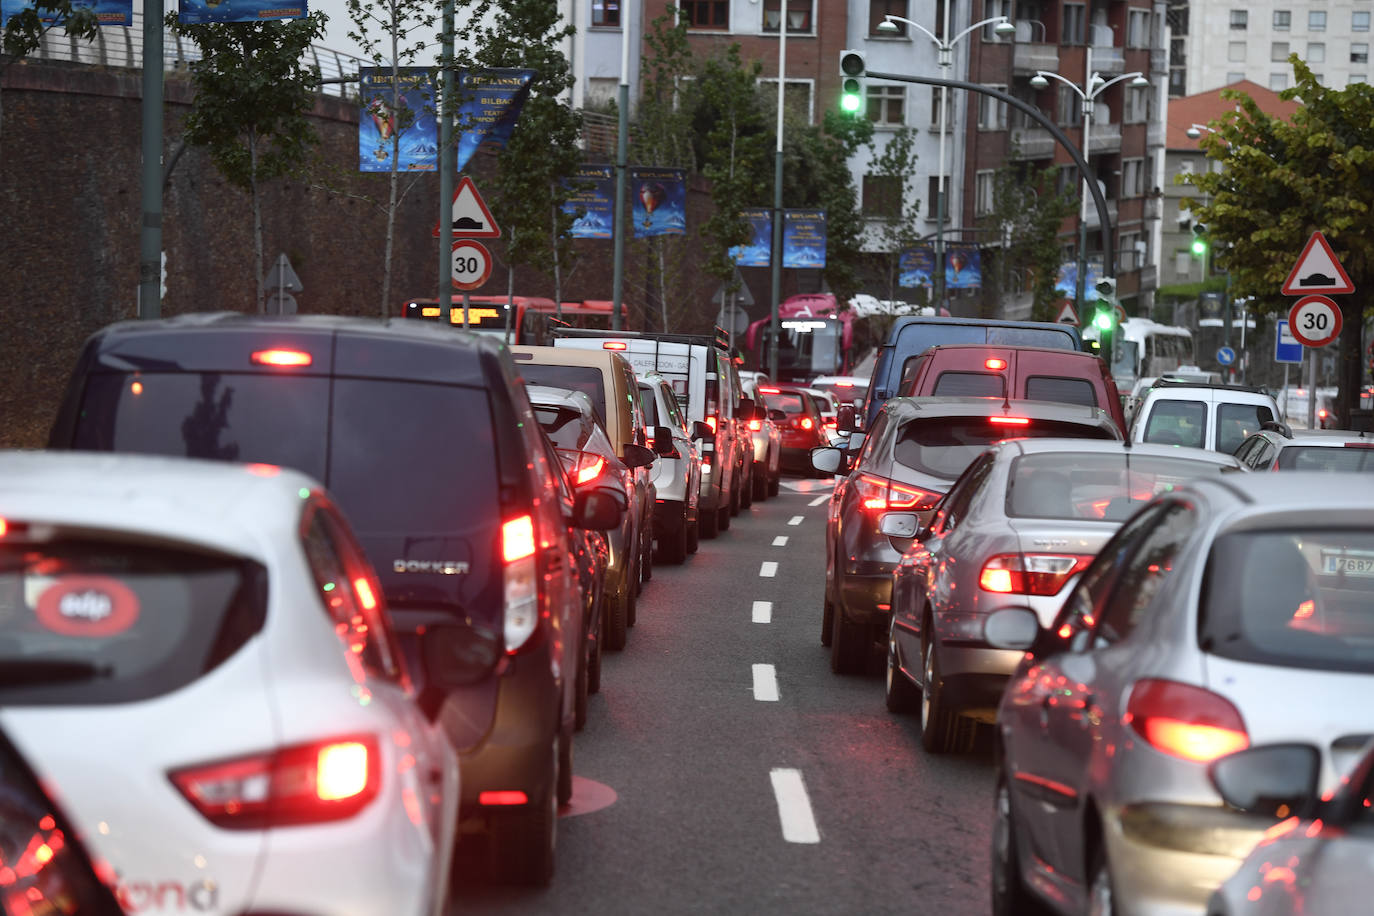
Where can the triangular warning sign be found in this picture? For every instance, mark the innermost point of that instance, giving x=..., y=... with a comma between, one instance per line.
x=1067, y=314
x=471, y=218
x=1317, y=271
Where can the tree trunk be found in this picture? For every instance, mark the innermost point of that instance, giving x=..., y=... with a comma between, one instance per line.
x=1350, y=360
x=510, y=306
x=257, y=220
x=662, y=286
x=553, y=233
x=395, y=178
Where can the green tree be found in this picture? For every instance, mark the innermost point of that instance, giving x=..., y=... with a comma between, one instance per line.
x=24, y=32
x=1026, y=214
x=900, y=225
x=254, y=94
x=1280, y=181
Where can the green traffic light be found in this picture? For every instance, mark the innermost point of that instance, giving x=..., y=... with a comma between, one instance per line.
x=1103, y=319
x=849, y=103
x=1199, y=247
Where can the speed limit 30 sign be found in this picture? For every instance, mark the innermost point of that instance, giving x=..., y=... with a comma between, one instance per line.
x=471, y=264
x=1315, y=321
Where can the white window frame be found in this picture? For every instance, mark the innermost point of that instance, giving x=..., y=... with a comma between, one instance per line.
x=1235, y=52
x=1285, y=23
x=1133, y=177
x=1138, y=28
x=992, y=113
x=984, y=184
x=1358, y=25
x=1278, y=51
x=1316, y=20
x=1240, y=20
x=883, y=93
x=1316, y=52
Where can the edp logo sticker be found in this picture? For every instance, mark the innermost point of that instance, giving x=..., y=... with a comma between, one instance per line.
x=87, y=606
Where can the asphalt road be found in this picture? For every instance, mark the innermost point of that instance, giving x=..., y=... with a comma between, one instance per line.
x=705, y=785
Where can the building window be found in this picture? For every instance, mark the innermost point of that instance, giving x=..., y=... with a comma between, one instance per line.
x=798, y=15
x=1359, y=21
x=606, y=13
x=601, y=90
x=1070, y=108
x=1240, y=20
x=933, y=198
x=1132, y=177
x=706, y=14
x=935, y=109
x=1359, y=53
x=1283, y=20
x=1138, y=29
x=1137, y=105
x=1235, y=51
x=878, y=10
x=1278, y=81
x=1074, y=28
x=1183, y=262
x=887, y=105
x=983, y=184
x=1131, y=253
x=1066, y=180
x=1278, y=50
x=992, y=113
x=991, y=9
x=1316, y=21
x=1316, y=52
x=1234, y=76
x=1358, y=78
x=883, y=196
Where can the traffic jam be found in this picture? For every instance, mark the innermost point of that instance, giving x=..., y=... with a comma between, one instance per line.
x=308, y=615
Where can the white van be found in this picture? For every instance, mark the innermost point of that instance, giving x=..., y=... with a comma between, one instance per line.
x=1201, y=415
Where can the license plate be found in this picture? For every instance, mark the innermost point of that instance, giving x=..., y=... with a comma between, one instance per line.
x=1348, y=564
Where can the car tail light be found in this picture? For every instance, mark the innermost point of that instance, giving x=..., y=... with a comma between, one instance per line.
x=4, y=527
x=881, y=495
x=613, y=345
x=1185, y=721
x=589, y=467
x=304, y=784
x=498, y=797
x=281, y=358
x=755, y=425
x=1030, y=573
x=711, y=422
x=806, y=423
x=521, y=581
x=1010, y=421
x=844, y=384
x=832, y=423
x=995, y=363
x=770, y=391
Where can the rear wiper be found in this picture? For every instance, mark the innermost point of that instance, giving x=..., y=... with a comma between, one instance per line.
x=16, y=672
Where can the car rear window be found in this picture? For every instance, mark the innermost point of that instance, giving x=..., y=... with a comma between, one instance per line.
x=943, y=447
x=1237, y=422
x=1094, y=485
x=1300, y=599
x=1061, y=390
x=787, y=403
x=586, y=379
x=92, y=621
x=650, y=405
x=1178, y=423
x=562, y=425
x=971, y=384
x=1327, y=458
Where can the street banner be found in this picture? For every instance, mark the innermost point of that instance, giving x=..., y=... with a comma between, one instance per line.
x=916, y=267
x=490, y=104
x=803, y=238
x=595, y=198
x=412, y=119
x=192, y=12
x=107, y=12
x=963, y=266
x=1068, y=276
x=754, y=253
x=660, y=201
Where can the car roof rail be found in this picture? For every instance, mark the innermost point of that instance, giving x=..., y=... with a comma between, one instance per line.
x=1278, y=426
x=1221, y=386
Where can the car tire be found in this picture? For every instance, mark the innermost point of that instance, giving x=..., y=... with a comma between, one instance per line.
x=1009, y=894
x=760, y=483
x=900, y=694
x=827, y=622
x=734, y=495
x=646, y=561
x=594, y=659
x=775, y=484
x=565, y=768
x=694, y=536
x=1101, y=892
x=709, y=522
x=746, y=490
x=723, y=518
x=582, y=686
x=672, y=547
x=615, y=623
x=520, y=842
x=632, y=604
x=943, y=731
x=848, y=647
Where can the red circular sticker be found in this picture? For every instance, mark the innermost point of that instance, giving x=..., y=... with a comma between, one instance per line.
x=87, y=606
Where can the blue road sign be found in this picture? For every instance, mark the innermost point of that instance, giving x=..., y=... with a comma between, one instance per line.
x=1287, y=349
x=1226, y=356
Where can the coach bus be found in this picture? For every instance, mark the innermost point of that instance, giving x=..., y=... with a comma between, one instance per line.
x=528, y=325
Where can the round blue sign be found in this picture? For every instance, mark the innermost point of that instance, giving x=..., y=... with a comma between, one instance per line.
x=1226, y=356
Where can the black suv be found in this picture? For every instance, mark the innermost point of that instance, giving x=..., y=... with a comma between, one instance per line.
x=427, y=442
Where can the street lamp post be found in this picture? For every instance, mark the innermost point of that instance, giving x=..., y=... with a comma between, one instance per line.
x=621, y=167
x=945, y=47
x=775, y=255
x=1096, y=85
x=1194, y=132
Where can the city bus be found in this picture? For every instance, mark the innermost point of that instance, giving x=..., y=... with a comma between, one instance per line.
x=589, y=314
x=1145, y=349
x=529, y=325
x=816, y=339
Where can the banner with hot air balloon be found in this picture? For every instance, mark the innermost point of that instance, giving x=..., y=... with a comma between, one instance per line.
x=660, y=201
x=803, y=238
x=197, y=11
x=107, y=12
x=755, y=252
x=917, y=266
x=592, y=191
x=490, y=101
x=408, y=114
x=963, y=266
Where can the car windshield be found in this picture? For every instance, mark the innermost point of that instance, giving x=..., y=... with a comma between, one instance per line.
x=1094, y=485
x=1354, y=457
x=786, y=402
x=1300, y=599
x=1178, y=423
x=943, y=447
x=1237, y=422
x=586, y=379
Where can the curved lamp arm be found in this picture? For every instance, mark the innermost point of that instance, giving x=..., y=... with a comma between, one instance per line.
x=979, y=25
x=915, y=25
x=1045, y=74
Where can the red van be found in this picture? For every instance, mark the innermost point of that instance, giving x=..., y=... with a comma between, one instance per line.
x=1019, y=373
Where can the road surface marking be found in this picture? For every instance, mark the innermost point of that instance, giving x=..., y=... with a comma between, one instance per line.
x=765, y=683
x=780, y=541
x=796, y=520
x=768, y=570
x=763, y=612
x=819, y=500
x=794, y=807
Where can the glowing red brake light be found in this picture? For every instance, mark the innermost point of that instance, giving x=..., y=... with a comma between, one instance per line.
x=806, y=423
x=589, y=468
x=613, y=345
x=363, y=589
x=756, y=425
x=502, y=797
x=1010, y=421
x=517, y=538
x=995, y=363
x=1030, y=573
x=770, y=391
x=281, y=358
x=881, y=495
x=711, y=422
x=1185, y=721
x=844, y=384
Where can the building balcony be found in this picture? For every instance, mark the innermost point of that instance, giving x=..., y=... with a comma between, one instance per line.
x=1027, y=58
x=1092, y=220
x=1149, y=277
x=1105, y=137
x=1032, y=142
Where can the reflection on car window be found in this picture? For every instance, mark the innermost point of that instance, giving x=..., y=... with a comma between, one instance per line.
x=1327, y=458
x=1146, y=571
x=971, y=384
x=1083, y=608
x=1236, y=421
x=1086, y=485
x=1178, y=423
x=787, y=403
x=1060, y=390
x=587, y=379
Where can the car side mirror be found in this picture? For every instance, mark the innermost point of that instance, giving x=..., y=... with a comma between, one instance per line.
x=599, y=508
x=845, y=420
x=454, y=654
x=777, y=416
x=703, y=432
x=1275, y=780
x=828, y=460
x=663, y=442
x=899, y=524
x=637, y=456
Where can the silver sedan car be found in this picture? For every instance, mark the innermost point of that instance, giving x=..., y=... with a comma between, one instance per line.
x=1015, y=530
x=1229, y=612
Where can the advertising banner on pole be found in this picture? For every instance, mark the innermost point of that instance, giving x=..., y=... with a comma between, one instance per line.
x=1068, y=277
x=916, y=267
x=660, y=201
x=803, y=238
x=592, y=191
x=963, y=266
x=490, y=101
x=408, y=113
x=191, y=12
x=754, y=253
x=107, y=12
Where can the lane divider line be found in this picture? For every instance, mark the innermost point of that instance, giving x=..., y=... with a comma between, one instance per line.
x=780, y=541
x=763, y=612
x=768, y=570
x=794, y=807
x=765, y=683
x=796, y=520
x=819, y=500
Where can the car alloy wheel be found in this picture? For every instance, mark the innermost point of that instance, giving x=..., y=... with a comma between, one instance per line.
x=1009, y=894
x=942, y=730
x=901, y=695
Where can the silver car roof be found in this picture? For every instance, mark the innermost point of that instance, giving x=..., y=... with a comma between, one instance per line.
x=1103, y=446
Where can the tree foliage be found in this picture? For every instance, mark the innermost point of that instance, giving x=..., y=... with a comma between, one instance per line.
x=1026, y=214
x=901, y=228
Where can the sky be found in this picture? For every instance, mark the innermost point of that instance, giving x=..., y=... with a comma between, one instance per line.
x=336, y=32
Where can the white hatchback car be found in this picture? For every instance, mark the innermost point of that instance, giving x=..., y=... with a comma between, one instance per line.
x=196, y=660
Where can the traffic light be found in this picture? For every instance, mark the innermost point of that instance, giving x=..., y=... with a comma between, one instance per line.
x=1104, y=316
x=1199, y=240
x=852, y=68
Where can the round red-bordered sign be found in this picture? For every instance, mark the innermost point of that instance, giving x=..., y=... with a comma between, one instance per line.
x=87, y=606
x=1314, y=321
x=471, y=264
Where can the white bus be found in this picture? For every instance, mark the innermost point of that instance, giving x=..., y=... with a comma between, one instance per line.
x=1147, y=348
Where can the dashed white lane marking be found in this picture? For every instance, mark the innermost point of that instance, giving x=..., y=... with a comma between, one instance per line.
x=780, y=541
x=794, y=807
x=796, y=520
x=768, y=570
x=765, y=683
x=763, y=612
x=819, y=500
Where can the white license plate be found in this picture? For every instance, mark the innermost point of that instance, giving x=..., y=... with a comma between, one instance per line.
x=1348, y=564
